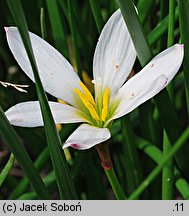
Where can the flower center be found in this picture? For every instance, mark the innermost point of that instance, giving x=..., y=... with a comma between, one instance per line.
x=98, y=109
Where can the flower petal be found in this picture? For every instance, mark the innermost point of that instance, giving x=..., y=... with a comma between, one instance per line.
x=28, y=114
x=87, y=136
x=57, y=75
x=115, y=54
x=151, y=80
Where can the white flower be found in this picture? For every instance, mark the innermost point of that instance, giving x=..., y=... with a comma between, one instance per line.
x=113, y=60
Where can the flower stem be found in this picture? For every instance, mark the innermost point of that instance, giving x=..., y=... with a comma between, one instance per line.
x=104, y=154
x=116, y=187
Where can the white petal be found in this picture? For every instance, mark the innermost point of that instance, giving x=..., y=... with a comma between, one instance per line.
x=28, y=114
x=151, y=80
x=87, y=136
x=56, y=73
x=115, y=54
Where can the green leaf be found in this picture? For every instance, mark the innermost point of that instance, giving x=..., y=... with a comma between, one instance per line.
x=184, y=30
x=6, y=169
x=97, y=14
x=57, y=29
x=74, y=37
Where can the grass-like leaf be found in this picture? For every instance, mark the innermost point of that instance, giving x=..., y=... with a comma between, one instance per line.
x=184, y=30
x=57, y=29
x=6, y=169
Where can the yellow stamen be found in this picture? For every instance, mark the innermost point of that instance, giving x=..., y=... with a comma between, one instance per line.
x=104, y=113
x=87, y=103
x=93, y=111
x=105, y=104
x=82, y=96
x=106, y=97
x=87, y=92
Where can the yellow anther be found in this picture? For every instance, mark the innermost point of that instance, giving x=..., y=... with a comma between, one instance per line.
x=82, y=96
x=106, y=97
x=104, y=113
x=87, y=103
x=92, y=111
x=87, y=93
x=105, y=104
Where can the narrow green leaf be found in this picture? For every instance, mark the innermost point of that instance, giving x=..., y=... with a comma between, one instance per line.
x=168, y=173
x=82, y=37
x=97, y=14
x=184, y=30
x=12, y=140
x=74, y=37
x=57, y=27
x=64, y=181
x=136, y=31
x=6, y=169
x=144, y=9
x=43, y=26
x=170, y=39
x=183, y=188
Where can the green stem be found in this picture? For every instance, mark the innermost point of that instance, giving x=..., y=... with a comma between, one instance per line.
x=104, y=154
x=115, y=184
x=6, y=169
x=179, y=143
